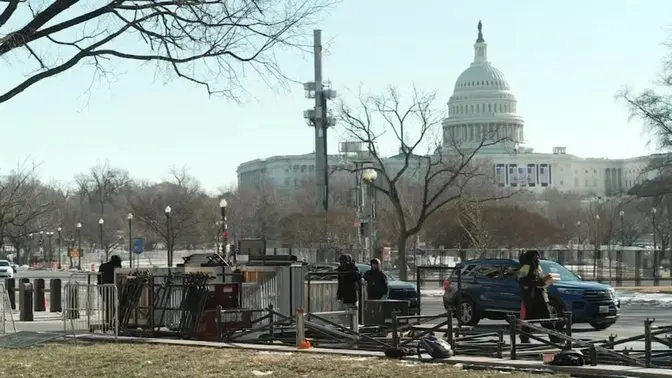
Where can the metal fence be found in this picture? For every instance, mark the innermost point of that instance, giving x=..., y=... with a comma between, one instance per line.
x=6, y=315
x=90, y=307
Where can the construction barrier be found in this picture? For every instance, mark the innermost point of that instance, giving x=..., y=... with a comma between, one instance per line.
x=90, y=308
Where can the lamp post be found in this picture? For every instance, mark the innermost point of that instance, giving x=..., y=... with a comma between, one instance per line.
x=31, y=245
x=655, y=247
x=130, y=239
x=225, y=228
x=579, y=247
x=101, y=221
x=369, y=176
x=597, y=255
x=59, y=242
x=169, y=247
x=619, y=253
x=50, y=255
x=44, y=252
x=79, y=245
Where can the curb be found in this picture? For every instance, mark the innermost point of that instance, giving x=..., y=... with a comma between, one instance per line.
x=481, y=362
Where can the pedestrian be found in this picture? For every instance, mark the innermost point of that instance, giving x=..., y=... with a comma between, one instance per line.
x=533, y=289
x=523, y=259
x=348, y=281
x=106, y=278
x=376, y=281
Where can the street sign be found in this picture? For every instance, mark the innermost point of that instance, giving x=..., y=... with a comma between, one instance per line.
x=387, y=254
x=138, y=245
x=73, y=252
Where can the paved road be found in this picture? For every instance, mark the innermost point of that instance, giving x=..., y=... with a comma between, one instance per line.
x=630, y=323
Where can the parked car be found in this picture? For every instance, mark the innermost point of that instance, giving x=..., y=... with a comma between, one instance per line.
x=401, y=290
x=490, y=289
x=6, y=269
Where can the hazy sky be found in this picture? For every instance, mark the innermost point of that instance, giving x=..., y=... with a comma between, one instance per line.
x=563, y=60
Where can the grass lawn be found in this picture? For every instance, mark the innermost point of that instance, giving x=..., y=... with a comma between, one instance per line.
x=146, y=360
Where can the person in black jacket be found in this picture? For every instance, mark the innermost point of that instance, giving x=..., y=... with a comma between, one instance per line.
x=106, y=277
x=376, y=281
x=533, y=289
x=349, y=280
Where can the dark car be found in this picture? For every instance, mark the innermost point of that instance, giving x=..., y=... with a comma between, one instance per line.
x=397, y=289
x=490, y=290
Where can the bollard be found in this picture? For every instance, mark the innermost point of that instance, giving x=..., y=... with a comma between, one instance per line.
x=26, y=302
x=38, y=295
x=55, y=295
x=72, y=300
x=10, y=286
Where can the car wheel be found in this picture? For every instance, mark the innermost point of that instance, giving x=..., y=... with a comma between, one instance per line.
x=468, y=312
x=600, y=326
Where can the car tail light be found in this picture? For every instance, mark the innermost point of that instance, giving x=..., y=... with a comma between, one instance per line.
x=446, y=284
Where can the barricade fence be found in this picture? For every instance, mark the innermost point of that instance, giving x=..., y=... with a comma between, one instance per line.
x=6, y=314
x=90, y=308
x=627, y=266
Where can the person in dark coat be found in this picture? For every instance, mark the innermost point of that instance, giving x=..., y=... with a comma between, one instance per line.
x=524, y=260
x=533, y=289
x=376, y=281
x=348, y=280
x=106, y=277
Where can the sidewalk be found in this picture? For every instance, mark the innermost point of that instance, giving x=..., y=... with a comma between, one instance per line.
x=494, y=363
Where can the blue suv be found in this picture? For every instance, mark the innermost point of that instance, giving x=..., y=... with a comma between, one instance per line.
x=490, y=290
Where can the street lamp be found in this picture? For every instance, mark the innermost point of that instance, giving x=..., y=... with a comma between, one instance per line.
x=619, y=253
x=655, y=246
x=369, y=176
x=49, y=253
x=130, y=239
x=101, y=221
x=579, y=247
x=597, y=255
x=79, y=245
x=60, y=245
x=169, y=248
x=225, y=228
x=41, y=242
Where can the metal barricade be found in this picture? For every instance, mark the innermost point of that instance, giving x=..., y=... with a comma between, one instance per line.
x=6, y=314
x=90, y=307
x=260, y=295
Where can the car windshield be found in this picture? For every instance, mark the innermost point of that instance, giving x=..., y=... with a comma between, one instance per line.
x=4, y=263
x=553, y=267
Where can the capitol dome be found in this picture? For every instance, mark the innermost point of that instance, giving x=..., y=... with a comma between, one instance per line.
x=482, y=109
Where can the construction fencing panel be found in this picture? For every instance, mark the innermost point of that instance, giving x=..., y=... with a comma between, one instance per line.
x=259, y=295
x=90, y=308
x=6, y=314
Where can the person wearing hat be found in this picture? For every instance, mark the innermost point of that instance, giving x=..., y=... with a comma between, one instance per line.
x=376, y=281
x=349, y=281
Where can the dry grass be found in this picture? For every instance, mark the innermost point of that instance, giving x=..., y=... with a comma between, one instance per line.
x=147, y=360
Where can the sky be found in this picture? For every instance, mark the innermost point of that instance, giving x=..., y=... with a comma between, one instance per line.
x=563, y=60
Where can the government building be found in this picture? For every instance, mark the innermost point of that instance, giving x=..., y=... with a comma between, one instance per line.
x=482, y=105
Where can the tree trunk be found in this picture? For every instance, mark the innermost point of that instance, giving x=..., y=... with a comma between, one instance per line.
x=401, y=257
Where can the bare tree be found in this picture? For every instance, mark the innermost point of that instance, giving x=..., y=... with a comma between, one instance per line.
x=186, y=199
x=211, y=43
x=443, y=175
x=24, y=203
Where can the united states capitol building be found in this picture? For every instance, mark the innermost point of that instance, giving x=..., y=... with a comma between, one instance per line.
x=482, y=102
